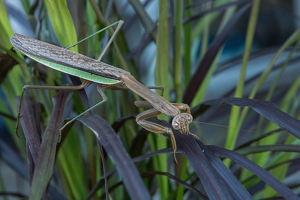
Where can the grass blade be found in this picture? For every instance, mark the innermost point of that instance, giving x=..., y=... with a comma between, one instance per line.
x=235, y=111
x=210, y=56
x=161, y=78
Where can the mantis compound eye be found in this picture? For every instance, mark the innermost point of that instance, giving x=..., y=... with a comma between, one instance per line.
x=189, y=118
x=181, y=122
x=175, y=125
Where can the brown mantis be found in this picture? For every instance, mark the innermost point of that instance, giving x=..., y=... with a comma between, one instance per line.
x=91, y=70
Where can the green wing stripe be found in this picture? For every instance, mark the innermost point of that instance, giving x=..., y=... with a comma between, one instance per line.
x=75, y=72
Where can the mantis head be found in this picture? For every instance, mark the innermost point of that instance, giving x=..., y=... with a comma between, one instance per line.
x=181, y=122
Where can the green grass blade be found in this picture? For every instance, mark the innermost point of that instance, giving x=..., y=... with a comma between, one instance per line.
x=293, y=38
x=203, y=87
x=261, y=158
x=182, y=177
x=187, y=45
x=62, y=22
x=5, y=28
x=11, y=85
x=234, y=117
x=287, y=106
x=26, y=5
x=68, y=156
x=161, y=78
x=205, y=36
x=200, y=26
x=177, y=51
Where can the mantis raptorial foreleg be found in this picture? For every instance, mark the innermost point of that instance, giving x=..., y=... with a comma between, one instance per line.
x=185, y=116
x=156, y=128
x=181, y=121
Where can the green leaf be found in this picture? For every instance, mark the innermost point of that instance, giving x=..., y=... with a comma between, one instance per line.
x=162, y=78
x=62, y=22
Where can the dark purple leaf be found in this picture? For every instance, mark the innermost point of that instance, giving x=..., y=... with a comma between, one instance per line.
x=46, y=156
x=179, y=181
x=186, y=145
x=30, y=163
x=265, y=108
x=100, y=183
x=37, y=115
x=104, y=167
x=248, y=143
x=233, y=184
x=263, y=174
x=273, y=148
x=115, y=149
x=138, y=143
x=29, y=126
x=218, y=182
x=13, y=159
x=76, y=81
x=120, y=122
x=16, y=162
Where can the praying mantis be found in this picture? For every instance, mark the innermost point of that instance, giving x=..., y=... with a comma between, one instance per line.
x=91, y=70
